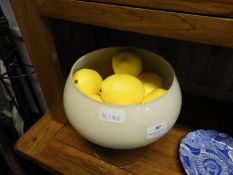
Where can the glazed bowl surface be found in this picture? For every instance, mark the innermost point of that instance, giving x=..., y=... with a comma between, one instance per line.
x=122, y=126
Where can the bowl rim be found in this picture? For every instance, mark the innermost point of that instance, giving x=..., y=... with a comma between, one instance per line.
x=121, y=105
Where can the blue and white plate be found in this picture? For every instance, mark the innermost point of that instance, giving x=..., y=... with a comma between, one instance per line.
x=207, y=152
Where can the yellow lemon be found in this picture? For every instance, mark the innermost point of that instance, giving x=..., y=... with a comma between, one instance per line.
x=154, y=95
x=127, y=61
x=96, y=97
x=88, y=81
x=150, y=81
x=122, y=89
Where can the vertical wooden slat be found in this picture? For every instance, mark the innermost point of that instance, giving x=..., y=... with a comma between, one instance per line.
x=191, y=61
x=198, y=62
x=226, y=81
x=72, y=40
x=183, y=60
x=41, y=49
x=218, y=71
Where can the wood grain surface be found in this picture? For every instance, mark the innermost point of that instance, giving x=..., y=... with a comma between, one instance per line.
x=68, y=160
x=205, y=29
x=204, y=7
x=161, y=157
x=37, y=137
x=62, y=150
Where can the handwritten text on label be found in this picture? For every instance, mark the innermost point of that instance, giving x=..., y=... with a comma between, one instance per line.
x=112, y=115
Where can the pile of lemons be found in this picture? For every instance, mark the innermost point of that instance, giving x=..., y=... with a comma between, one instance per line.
x=129, y=85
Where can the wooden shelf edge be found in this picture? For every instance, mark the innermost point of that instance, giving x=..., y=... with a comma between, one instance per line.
x=167, y=24
x=207, y=7
x=38, y=136
x=45, y=61
x=61, y=149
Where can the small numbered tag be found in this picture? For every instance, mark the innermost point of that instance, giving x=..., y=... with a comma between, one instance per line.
x=112, y=115
x=156, y=130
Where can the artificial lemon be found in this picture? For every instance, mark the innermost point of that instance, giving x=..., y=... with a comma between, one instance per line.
x=96, y=97
x=88, y=81
x=150, y=81
x=122, y=89
x=127, y=61
x=154, y=95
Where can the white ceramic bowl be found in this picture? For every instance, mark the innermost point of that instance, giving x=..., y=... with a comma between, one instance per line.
x=122, y=126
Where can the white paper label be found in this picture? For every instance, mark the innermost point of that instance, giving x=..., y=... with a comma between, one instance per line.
x=156, y=130
x=112, y=115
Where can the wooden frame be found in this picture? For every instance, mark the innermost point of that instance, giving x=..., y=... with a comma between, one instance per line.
x=52, y=142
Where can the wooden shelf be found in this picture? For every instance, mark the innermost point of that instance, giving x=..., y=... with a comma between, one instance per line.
x=204, y=7
x=61, y=149
x=169, y=24
x=52, y=142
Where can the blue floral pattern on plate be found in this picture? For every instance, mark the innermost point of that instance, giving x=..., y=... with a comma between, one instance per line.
x=207, y=152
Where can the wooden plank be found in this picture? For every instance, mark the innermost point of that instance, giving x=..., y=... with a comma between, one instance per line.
x=206, y=7
x=40, y=46
x=211, y=30
x=198, y=60
x=72, y=41
x=152, y=159
x=182, y=65
x=61, y=149
x=191, y=61
x=226, y=81
x=73, y=139
x=68, y=160
x=218, y=71
x=168, y=49
x=162, y=157
x=37, y=137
